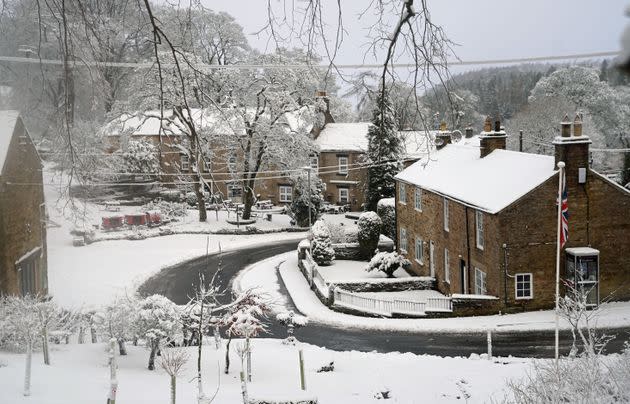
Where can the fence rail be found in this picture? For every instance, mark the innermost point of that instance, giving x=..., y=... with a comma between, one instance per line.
x=439, y=304
x=379, y=306
x=320, y=282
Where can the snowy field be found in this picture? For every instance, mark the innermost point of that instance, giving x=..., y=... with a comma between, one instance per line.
x=610, y=314
x=80, y=374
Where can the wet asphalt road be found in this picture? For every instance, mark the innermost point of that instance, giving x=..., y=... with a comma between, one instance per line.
x=179, y=281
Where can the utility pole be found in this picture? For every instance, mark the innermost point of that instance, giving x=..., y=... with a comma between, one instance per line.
x=309, y=198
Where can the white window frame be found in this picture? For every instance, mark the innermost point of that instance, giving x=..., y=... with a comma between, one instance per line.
x=481, y=285
x=286, y=193
x=523, y=282
x=403, y=241
x=185, y=162
x=402, y=193
x=447, y=266
x=314, y=162
x=235, y=187
x=342, y=162
x=446, y=214
x=479, y=230
x=417, y=201
x=347, y=197
x=432, y=259
x=419, y=251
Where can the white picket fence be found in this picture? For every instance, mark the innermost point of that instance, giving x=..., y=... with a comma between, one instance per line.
x=378, y=306
x=439, y=304
x=320, y=283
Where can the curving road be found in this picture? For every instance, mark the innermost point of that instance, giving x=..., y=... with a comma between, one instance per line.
x=179, y=281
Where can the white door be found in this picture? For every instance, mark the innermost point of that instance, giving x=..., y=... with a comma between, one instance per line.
x=432, y=258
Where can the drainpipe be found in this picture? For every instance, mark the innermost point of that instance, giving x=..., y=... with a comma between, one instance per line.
x=505, y=274
x=467, y=251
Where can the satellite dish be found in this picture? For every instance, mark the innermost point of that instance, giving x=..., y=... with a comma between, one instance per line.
x=456, y=136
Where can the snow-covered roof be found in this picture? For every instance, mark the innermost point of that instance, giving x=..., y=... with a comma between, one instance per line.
x=8, y=119
x=352, y=137
x=491, y=183
x=148, y=123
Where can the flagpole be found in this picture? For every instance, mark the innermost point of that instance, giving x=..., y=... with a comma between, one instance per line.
x=560, y=178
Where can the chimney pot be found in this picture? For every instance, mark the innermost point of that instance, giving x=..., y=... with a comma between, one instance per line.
x=565, y=126
x=487, y=125
x=469, y=132
x=497, y=125
x=577, y=125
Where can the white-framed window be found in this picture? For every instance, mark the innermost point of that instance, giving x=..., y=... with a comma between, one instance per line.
x=314, y=162
x=185, y=162
x=344, y=195
x=523, y=286
x=234, y=191
x=232, y=163
x=402, y=193
x=286, y=193
x=480, y=282
x=447, y=266
x=419, y=251
x=205, y=166
x=446, y=214
x=479, y=229
x=403, y=240
x=343, y=164
x=417, y=199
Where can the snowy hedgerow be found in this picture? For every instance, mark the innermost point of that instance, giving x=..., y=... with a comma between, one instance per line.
x=321, y=248
x=168, y=209
x=386, y=210
x=157, y=321
x=387, y=262
x=300, y=204
x=337, y=232
x=369, y=231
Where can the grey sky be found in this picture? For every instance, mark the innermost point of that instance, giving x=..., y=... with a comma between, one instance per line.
x=484, y=29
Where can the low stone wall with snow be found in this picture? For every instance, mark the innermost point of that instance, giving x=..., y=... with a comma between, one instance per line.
x=299, y=401
x=386, y=284
x=474, y=305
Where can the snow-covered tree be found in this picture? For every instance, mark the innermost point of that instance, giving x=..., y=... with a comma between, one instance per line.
x=116, y=321
x=321, y=249
x=384, y=153
x=292, y=321
x=386, y=210
x=157, y=322
x=245, y=319
x=369, y=232
x=387, y=262
x=173, y=361
x=300, y=204
x=141, y=157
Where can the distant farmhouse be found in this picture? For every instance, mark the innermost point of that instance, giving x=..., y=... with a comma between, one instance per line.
x=339, y=162
x=23, y=267
x=482, y=221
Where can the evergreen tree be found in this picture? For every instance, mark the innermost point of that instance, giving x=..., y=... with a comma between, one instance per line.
x=384, y=153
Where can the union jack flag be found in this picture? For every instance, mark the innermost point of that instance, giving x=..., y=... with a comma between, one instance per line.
x=564, y=229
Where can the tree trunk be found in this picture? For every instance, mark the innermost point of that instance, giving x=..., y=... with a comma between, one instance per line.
x=201, y=204
x=227, y=355
x=122, y=349
x=173, y=389
x=244, y=388
x=81, y=335
x=154, y=349
x=249, y=359
x=93, y=333
x=45, y=349
x=248, y=201
x=27, y=368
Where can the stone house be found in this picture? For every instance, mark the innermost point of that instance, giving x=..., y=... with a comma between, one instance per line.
x=23, y=256
x=482, y=220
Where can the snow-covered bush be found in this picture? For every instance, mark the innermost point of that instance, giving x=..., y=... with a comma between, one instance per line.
x=191, y=198
x=387, y=262
x=299, y=207
x=141, y=157
x=116, y=321
x=321, y=248
x=369, y=232
x=168, y=209
x=386, y=210
x=337, y=232
x=157, y=322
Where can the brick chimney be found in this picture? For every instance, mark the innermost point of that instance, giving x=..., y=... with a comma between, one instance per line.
x=327, y=116
x=572, y=147
x=490, y=139
x=443, y=136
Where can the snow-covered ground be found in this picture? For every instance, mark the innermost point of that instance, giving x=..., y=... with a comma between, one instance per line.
x=80, y=374
x=610, y=314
